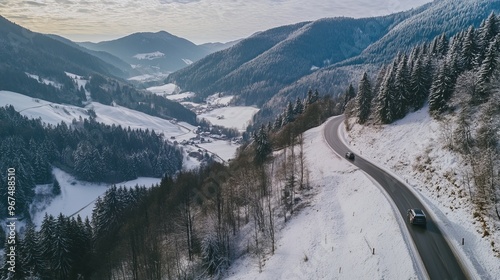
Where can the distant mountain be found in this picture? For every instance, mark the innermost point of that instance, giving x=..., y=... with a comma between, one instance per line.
x=23, y=51
x=201, y=76
x=104, y=56
x=152, y=52
x=38, y=66
x=444, y=16
x=327, y=54
x=215, y=47
x=258, y=67
x=20, y=47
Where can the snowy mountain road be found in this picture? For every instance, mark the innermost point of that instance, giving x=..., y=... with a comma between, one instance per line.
x=437, y=256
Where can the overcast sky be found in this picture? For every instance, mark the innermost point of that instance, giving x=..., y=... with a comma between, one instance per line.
x=199, y=21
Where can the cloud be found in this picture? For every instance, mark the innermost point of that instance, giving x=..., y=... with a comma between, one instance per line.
x=178, y=1
x=197, y=20
x=64, y=2
x=33, y=3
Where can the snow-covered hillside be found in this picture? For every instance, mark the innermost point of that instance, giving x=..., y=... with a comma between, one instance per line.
x=78, y=195
x=412, y=148
x=348, y=218
x=53, y=113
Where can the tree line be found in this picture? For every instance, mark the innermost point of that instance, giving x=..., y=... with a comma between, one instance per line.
x=89, y=150
x=193, y=224
x=70, y=247
x=431, y=73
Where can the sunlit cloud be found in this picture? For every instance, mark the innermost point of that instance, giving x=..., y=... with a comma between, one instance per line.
x=196, y=20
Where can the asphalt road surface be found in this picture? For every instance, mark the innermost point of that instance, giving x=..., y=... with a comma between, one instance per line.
x=436, y=254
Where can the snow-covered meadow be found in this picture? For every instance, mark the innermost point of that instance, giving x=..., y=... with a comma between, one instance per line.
x=78, y=197
x=232, y=116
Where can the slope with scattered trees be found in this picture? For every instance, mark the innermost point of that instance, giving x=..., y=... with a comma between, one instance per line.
x=458, y=78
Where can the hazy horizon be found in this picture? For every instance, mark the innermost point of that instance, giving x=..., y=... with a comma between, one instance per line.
x=199, y=21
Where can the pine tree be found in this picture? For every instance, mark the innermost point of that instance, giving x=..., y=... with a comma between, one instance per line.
x=35, y=265
x=80, y=246
x=309, y=98
x=107, y=212
x=88, y=162
x=442, y=45
x=299, y=107
x=487, y=31
x=46, y=236
x=385, y=99
x=488, y=69
x=364, y=99
x=419, y=85
x=262, y=145
x=348, y=95
x=289, y=115
x=61, y=258
x=441, y=91
x=56, y=187
x=402, y=96
x=469, y=49
x=278, y=122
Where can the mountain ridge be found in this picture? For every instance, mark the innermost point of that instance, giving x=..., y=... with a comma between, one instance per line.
x=168, y=52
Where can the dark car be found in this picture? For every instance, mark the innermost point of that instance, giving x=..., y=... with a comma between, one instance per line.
x=417, y=217
x=349, y=155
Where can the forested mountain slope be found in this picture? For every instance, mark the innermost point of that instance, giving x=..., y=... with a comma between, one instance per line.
x=446, y=16
x=152, y=52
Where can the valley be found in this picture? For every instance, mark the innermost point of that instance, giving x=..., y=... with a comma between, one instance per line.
x=294, y=152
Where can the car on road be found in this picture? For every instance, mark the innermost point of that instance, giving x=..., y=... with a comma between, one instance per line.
x=417, y=217
x=349, y=155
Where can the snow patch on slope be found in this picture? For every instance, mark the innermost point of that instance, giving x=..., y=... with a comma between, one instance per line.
x=187, y=61
x=45, y=81
x=166, y=89
x=149, y=56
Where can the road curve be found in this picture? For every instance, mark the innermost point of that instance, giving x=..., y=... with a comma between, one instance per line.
x=436, y=254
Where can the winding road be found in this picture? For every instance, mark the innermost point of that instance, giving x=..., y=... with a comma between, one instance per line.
x=436, y=254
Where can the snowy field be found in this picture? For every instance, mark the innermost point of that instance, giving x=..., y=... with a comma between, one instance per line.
x=164, y=89
x=78, y=197
x=51, y=113
x=215, y=110
x=334, y=237
x=232, y=117
x=412, y=143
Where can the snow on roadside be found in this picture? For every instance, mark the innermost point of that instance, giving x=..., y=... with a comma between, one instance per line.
x=334, y=237
x=412, y=149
